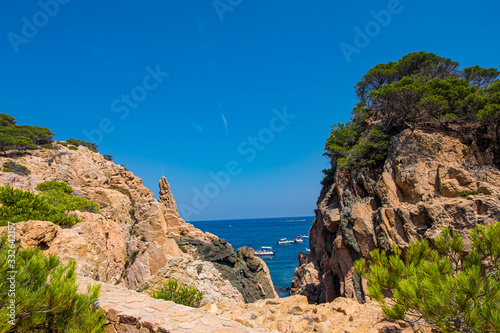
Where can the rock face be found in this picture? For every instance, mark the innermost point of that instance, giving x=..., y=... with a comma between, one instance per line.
x=429, y=180
x=135, y=236
x=246, y=272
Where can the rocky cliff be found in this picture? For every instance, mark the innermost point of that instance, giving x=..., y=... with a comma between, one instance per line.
x=432, y=177
x=135, y=238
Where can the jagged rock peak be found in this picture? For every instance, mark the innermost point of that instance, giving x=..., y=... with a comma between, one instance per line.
x=166, y=196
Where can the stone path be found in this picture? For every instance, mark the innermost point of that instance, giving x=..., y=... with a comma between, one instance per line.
x=131, y=312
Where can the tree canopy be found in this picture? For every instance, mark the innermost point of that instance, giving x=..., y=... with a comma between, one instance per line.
x=13, y=136
x=419, y=88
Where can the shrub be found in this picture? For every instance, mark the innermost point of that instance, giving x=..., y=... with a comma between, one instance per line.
x=90, y=145
x=52, y=205
x=451, y=290
x=46, y=298
x=329, y=176
x=16, y=168
x=73, y=148
x=180, y=294
x=54, y=185
x=469, y=192
x=369, y=150
x=57, y=194
x=108, y=157
x=48, y=146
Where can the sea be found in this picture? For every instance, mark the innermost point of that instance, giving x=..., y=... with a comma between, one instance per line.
x=259, y=232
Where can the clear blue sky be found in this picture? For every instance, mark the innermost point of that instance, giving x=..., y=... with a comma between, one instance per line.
x=79, y=65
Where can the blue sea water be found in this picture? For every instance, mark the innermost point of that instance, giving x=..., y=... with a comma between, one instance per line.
x=255, y=233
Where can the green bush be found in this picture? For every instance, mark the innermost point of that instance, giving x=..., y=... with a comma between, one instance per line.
x=72, y=147
x=451, y=290
x=469, y=192
x=180, y=294
x=45, y=294
x=329, y=176
x=53, y=204
x=108, y=157
x=13, y=136
x=16, y=168
x=369, y=150
x=90, y=145
x=54, y=185
x=48, y=146
x=58, y=195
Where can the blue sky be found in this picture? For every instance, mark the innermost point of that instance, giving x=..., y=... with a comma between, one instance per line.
x=232, y=98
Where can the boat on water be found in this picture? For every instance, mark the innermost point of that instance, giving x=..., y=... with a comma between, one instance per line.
x=285, y=241
x=265, y=251
x=308, y=250
x=297, y=239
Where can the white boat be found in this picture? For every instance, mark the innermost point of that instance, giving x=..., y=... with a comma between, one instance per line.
x=265, y=251
x=308, y=250
x=284, y=241
x=298, y=239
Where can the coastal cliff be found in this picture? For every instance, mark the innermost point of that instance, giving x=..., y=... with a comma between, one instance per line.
x=134, y=237
x=420, y=153
x=429, y=180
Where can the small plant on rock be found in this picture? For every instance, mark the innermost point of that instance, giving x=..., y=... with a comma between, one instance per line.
x=16, y=168
x=180, y=294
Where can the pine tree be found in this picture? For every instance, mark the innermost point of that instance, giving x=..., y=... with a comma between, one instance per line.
x=450, y=289
x=44, y=293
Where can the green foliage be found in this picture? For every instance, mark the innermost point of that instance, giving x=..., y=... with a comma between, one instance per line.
x=6, y=120
x=75, y=142
x=48, y=146
x=469, y=192
x=54, y=185
x=16, y=168
x=73, y=148
x=53, y=204
x=45, y=294
x=480, y=77
x=369, y=150
x=313, y=223
x=108, y=157
x=329, y=174
x=21, y=137
x=180, y=294
x=39, y=135
x=452, y=290
x=419, y=88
